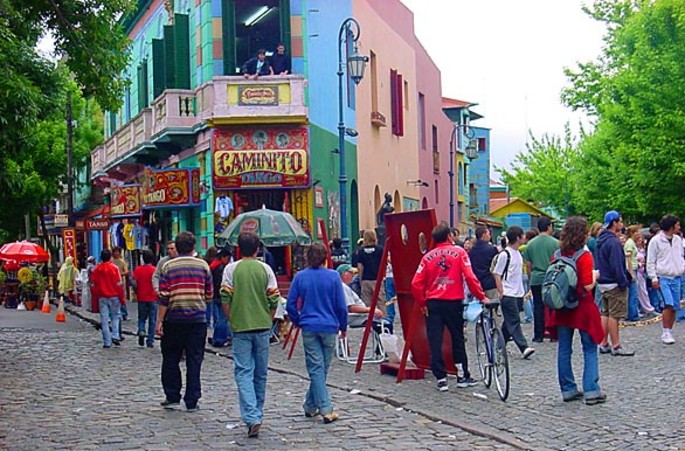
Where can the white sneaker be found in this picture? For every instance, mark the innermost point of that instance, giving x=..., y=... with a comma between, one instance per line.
x=667, y=338
x=527, y=353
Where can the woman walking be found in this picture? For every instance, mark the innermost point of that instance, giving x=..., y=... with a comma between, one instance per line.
x=585, y=318
x=316, y=304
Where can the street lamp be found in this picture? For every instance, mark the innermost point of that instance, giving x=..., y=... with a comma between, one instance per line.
x=356, y=63
x=467, y=132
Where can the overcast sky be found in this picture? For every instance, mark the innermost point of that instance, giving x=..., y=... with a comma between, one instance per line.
x=508, y=57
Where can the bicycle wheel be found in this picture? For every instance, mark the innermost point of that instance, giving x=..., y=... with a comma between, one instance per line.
x=500, y=364
x=482, y=354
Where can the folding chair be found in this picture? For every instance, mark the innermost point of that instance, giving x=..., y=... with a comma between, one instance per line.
x=373, y=354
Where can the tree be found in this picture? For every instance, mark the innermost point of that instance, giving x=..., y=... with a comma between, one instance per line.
x=634, y=161
x=544, y=173
x=93, y=44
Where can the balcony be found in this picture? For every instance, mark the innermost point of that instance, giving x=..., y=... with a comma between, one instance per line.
x=170, y=125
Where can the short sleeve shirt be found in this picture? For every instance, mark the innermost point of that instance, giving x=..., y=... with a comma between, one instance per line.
x=512, y=281
x=539, y=253
x=630, y=249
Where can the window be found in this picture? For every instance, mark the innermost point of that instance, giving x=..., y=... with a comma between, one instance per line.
x=436, y=153
x=435, y=138
x=422, y=121
x=437, y=192
x=142, y=86
x=482, y=145
x=396, y=88
x=406, y=95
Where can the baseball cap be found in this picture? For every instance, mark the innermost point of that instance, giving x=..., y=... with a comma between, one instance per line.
x=609, y=217
x=345, y=267
x=91, y=259
x=223, y=253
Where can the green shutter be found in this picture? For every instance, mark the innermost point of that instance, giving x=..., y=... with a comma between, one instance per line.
x=169, y=57
x=145, y=81
x=182, y=50
x=142, y=86
x=228, y=24
x=158, y=65
x=112, y=123
x=284, y=11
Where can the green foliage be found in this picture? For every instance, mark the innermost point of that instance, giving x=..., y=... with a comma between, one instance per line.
x=544, y=173
x=93, y=50
x=634, y=159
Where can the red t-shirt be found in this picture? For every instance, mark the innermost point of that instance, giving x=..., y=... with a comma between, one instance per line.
x=586, y=315
x=143, y=276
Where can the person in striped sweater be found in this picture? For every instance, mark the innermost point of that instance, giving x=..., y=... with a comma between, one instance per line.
x=185, y=288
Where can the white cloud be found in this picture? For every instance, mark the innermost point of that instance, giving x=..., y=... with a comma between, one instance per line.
x=508, y=56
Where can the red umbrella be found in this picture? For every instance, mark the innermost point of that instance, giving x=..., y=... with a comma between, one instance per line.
x=23, y=251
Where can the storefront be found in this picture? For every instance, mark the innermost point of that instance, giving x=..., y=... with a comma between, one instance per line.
x=267, y=166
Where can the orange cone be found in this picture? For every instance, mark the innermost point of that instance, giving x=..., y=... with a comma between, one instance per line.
x=46, y=304
x=61, y=316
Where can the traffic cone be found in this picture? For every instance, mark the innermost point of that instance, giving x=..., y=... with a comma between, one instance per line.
x=61, y=316
x=46, y=303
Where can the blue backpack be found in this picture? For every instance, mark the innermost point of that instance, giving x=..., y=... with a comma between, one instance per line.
x=561, y=282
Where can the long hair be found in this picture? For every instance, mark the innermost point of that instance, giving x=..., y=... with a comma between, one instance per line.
x=573, y=235
x=370, y=238
x=595, y=229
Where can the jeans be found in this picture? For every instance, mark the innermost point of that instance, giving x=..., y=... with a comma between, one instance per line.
x=655, y=298
x=389, y=294
x=147, y=311
x=511, y=329
x=251, y=359
x=633, y=313
x=177, y=339
x=124, y=312
x=538, y=313
x=222, y=330
x=590, y=364
x=318, y=352
x=448, y=314
x=109, y=319
x=680, y=314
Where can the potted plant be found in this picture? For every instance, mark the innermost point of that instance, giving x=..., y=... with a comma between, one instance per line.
x=41, y=286
x=27, y=288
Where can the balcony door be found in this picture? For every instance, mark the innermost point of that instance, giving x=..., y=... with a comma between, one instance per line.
x=250, y=25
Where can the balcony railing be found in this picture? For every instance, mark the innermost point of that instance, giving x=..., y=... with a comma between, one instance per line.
x=223, y=101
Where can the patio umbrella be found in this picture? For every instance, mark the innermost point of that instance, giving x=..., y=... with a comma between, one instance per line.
x=274, y=228
x=23, y=252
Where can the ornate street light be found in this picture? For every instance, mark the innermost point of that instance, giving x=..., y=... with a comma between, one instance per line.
x=356, y=63
x=466, y=132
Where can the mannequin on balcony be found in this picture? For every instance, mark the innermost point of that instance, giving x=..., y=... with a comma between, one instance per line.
x=257, y=66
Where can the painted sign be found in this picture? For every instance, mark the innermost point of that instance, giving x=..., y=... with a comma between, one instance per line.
x=69, y=243
x=260, y=158
x=125, y=201
x=195, y=185
x=250, y=225
x=97, y=224
x=79, y=224
x=169, y=188
x=61, y=220
x=265, y=95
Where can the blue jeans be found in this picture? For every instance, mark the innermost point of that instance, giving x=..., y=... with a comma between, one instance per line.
x=109, y=318
x=318, y=352
x=633, y=301
x=680, y=315
x=222, y=330
x=389, y=294
x=655, y=298
x=251, y=359
x=567, y=382
x=124, y=311
x=147, y=311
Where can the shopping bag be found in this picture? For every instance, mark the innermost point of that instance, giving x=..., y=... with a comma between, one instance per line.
x=472, y=311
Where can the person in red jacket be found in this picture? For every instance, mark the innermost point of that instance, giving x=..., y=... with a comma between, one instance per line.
x=107, y=290
x=147, y=299
x=438, y=288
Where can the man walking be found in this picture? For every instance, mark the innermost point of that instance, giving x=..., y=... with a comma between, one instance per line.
x=108, y=291
x=185, y=288
x=508, y=276
x=481, y=256
x=170, y=253
x=538, y=255
x=249, y=294
x=147, y=299
x=612, y=283
x=665, y=266
x=438, y=288
x=221, y=335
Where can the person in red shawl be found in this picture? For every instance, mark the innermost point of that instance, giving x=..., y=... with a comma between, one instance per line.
x=585, y=318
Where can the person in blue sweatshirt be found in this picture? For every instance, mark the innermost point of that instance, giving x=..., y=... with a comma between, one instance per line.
x=613, y=283
x=316, y=304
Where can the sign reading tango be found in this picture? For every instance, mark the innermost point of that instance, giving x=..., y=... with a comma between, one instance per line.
x=125, y=201
x=260, y=158
x=258, y=95
x=170, y=188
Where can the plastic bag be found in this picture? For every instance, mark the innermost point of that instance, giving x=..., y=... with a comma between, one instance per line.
x=472, y=311
x=393, y=346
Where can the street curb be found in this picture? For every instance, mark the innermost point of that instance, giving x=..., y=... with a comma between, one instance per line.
x=496, y=435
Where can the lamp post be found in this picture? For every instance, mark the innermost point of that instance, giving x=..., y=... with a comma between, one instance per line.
x=454, y=143
x=355, y=69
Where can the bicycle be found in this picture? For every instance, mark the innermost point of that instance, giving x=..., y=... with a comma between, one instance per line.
x=491, y=350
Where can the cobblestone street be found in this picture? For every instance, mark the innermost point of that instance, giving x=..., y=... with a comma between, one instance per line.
x=63, y=391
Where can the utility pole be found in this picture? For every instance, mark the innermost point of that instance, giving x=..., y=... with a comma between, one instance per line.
x=70, y=162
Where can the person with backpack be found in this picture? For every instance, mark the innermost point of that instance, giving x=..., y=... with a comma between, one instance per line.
x=482, y=254
x=508, y=274
x=584, y=317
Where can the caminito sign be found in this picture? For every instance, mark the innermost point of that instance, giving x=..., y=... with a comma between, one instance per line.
x=260, y=158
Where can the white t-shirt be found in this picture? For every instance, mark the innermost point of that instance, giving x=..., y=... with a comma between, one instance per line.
x=512, y=281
